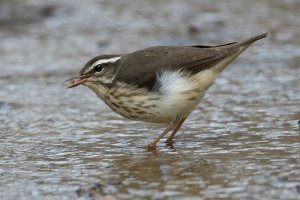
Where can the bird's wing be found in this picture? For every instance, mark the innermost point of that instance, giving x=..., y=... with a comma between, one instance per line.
x=139, y=68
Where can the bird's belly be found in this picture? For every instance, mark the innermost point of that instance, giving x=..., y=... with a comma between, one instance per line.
x=176, y=97
x=168, y=110
x=155, y=108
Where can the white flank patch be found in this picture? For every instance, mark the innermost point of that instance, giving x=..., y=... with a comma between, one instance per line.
x=107, y=60
x=181, y=92
x=176, y=88
x=174, y=82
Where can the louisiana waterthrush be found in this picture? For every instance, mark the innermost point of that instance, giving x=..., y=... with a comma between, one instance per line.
x=160, y=84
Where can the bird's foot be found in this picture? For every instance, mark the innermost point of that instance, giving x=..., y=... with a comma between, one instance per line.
x=150, y=147
x=169, y=142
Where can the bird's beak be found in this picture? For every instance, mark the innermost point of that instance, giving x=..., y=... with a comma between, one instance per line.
x=78, y=80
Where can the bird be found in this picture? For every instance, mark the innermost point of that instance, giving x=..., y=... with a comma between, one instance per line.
x=160, y=84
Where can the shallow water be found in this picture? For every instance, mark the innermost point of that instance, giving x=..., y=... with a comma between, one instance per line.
x=242, y=142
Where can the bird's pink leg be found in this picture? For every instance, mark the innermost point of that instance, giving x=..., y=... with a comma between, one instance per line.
x=169, y=141
x=152, y=144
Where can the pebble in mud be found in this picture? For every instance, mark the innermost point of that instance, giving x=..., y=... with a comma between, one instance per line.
x=99, y=191
x=298, y=188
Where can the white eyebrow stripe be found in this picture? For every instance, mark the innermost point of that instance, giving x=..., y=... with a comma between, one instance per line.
x=107, y=60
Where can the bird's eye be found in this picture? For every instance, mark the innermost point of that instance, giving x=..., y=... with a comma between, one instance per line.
x=98, y=68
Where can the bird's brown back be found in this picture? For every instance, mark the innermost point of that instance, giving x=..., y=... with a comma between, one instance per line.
x=154, y=59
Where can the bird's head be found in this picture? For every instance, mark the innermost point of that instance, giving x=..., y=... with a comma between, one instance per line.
x=97, y=74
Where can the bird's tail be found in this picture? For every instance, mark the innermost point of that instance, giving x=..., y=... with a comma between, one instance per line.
x=242, y=46
x=253, y=39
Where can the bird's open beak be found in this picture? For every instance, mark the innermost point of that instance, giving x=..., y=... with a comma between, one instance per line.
x=78, y=80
